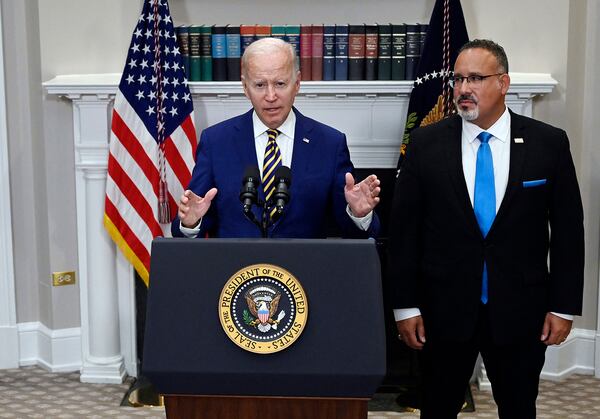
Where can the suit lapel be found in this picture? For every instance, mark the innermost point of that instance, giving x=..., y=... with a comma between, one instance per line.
x=246, y=151
x=245, y=147
x=301, y=155
x=517, y=159
x=453, y=145
x=303, y=146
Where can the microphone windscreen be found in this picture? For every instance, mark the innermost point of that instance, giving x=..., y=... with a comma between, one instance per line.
x=284, y=172
x=251, y=171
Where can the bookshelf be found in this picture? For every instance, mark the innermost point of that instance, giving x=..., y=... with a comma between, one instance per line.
x=371, y=113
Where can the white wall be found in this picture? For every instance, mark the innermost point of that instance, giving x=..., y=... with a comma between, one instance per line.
x=90, y=36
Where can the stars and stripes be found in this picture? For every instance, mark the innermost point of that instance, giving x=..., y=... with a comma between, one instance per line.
x=153, y=138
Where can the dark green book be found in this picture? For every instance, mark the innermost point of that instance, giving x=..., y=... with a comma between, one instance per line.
x=292, y=35
x=183, y=39
x=195, y=68
x=384, y=55
x=278, y=32
x=413, y=50
x=206, y=53
x=399, y=52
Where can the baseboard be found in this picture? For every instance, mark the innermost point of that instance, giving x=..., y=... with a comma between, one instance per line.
x=9, y=348
x=55, y=350
x=574, y=356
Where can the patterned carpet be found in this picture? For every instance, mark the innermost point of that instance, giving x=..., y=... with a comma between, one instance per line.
x=31, y=392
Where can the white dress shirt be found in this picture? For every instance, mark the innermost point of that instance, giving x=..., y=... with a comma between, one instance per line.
x=285, y=141
x=500, y=147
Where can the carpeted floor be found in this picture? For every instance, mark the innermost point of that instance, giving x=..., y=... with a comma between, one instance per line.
x=31, y=392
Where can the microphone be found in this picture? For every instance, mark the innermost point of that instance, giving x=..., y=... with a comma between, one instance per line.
x=248, y=193
x=283, y=181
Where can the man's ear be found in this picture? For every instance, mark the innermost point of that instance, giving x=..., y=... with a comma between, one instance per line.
x=504, y=83
x=244, y=86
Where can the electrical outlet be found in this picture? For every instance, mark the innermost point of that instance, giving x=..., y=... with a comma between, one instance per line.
x=63, y=278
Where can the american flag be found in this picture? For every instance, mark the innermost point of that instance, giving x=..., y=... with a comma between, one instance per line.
x=153, y=138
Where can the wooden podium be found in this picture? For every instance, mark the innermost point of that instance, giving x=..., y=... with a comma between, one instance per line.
x=330, y=371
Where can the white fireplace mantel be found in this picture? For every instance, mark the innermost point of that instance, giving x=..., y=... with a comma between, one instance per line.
x=371, y=113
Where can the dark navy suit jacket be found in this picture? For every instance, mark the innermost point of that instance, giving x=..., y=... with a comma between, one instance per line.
x=319, y=162
x=437, y=250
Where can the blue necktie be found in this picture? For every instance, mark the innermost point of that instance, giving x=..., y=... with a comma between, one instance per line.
x=484, y=200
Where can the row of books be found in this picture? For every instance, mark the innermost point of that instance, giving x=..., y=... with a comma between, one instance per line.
x=325, y=52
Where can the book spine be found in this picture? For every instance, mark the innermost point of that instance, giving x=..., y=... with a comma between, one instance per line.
x=233, y=53
x=356, y=52
x=306, y=51
x=183, y=39
x=329, y=52
x=292, y=35
x=422, y=36
x=219, y=53
x=247, y=36
x=384, y=59
x=278, y=32
x=413, y=50
x=371, y=38
x=399, y=52
x=195, y=67
x=206, y=53
x=263, y=31
x=341, y=52
x=317, y=52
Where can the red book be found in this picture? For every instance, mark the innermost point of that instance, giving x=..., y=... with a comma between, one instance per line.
x=356, y=52
x=306, y=52
x=317, y=52
x=371, y=49
x=263, y=31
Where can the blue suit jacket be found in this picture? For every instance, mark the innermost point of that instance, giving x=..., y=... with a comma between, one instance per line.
x=319, y=162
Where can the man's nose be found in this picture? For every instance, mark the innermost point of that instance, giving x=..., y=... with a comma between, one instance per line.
x=464, y=87
x=271, y=95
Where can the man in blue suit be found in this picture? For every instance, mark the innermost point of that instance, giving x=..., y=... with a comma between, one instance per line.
x=272, y=134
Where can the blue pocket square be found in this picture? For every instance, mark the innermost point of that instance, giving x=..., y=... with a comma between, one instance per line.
x=532, y=183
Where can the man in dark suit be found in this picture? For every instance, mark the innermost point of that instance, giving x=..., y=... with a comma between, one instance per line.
x=481, y=200
x=272, y=134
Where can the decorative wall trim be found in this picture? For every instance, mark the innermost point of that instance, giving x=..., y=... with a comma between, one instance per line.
x=574, y=356
x=9, y=347
x=54, y=350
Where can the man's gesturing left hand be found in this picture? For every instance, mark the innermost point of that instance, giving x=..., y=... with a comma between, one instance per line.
x=362, y=197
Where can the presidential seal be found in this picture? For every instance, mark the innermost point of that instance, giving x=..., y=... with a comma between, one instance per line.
x=263, y=308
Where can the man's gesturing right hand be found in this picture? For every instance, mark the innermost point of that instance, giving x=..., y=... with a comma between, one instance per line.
x=193, y=207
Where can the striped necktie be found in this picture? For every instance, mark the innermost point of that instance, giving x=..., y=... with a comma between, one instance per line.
x=271, y=162
x=484, y=200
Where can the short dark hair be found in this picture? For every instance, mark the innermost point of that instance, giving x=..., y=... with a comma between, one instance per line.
x=488, y=45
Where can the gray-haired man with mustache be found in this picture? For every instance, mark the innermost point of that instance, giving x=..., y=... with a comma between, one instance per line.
x=475, y=202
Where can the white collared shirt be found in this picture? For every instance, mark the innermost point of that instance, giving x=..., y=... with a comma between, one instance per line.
x=285, y=140
x=500, y=147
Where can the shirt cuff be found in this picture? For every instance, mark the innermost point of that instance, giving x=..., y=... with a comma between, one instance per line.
x=564, y=316
x=361, y=222
x=406, y=313
x=190, y=233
